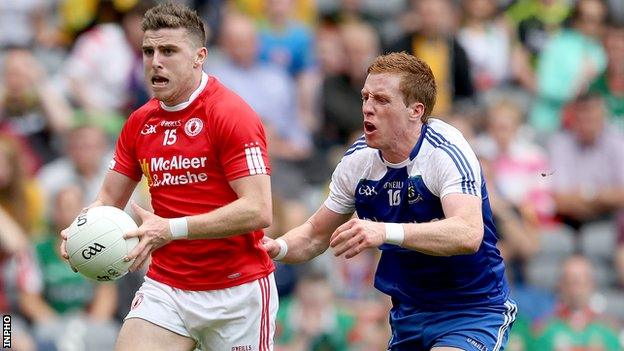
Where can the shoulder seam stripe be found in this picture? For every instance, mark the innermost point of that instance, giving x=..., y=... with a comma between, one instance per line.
x=468, y=180
x=354, y=149
x=461, y=153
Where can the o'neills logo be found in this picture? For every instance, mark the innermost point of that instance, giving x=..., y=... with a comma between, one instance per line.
x=161, y=171
x=170, y=124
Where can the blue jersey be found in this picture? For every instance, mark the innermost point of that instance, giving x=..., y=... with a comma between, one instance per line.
x=441, y=163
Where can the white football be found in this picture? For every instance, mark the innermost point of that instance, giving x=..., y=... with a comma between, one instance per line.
x=95, y=243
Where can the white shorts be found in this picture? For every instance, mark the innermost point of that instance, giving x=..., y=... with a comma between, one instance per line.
x=237, y=318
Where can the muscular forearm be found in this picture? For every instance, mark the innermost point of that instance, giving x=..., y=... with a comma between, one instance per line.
x=304, y=244
x=240, y=216
x=447, y=237
x=115, y=191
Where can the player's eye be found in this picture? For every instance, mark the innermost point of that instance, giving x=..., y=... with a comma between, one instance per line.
x=148, y=52
x=168, y=52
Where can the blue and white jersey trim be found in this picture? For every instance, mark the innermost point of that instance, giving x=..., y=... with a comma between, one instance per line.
x=468, y=178
x=359, y=144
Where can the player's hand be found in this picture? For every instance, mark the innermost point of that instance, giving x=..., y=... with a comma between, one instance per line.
x=270, y=246
x=356, y=235
x=64, y=254
x=64, y=236
x=153, y=233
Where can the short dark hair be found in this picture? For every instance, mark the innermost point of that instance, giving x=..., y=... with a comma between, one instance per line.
x=171, y=15
x=417, y=81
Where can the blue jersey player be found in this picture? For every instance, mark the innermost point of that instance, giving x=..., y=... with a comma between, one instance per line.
x=419, y=195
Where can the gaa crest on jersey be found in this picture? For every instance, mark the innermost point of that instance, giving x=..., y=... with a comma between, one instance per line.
x=193, y=126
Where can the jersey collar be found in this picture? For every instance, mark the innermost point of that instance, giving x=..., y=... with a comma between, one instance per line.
x=181, y=106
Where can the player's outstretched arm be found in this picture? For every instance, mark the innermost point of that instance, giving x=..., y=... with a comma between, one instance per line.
x=307, y=240
x=460, y=232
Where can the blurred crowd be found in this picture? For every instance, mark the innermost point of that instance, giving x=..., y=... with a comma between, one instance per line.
x=537, y=86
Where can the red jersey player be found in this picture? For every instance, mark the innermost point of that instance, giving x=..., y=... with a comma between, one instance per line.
x=203, y=152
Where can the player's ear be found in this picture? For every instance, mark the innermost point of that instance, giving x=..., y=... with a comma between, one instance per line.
x=200, y=57
x=416, y=110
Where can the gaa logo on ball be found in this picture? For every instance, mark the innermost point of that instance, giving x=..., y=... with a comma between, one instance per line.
x=95, y=243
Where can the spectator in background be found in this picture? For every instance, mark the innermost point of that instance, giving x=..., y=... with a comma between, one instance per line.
x=21, y=202
x=18, y=213
x=17, y=275
x=284, y=40
x=20, y=21
x=341, y=100
x=103, y=73
x=610, y=84
x=289, y=43
x=435, y=43
x=516, y=161
x=271, y=92
x=568, y=64
x=520, y=198
x=589, y=163
x=576, y=324
x=330, y=52
x=66, y=298
x=536, y=21
x=312, y=320
x=304, y=11
x=486, y=38
x=83, y=165
x=30, y=107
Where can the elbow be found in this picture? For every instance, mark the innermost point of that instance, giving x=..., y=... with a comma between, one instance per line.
x=265, y=220
x=473, y=241
x=264, y=217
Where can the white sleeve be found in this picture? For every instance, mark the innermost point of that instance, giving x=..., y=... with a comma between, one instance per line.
x=341, y=197
x=451, y=169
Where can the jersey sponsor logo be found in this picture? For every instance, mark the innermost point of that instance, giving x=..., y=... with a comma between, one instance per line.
x=92, y=250
x=170, y=124
x=161, y=171
x=255, y=162
x=397, y=184
x=367, y=190
x=193, y=126
x=148, y=129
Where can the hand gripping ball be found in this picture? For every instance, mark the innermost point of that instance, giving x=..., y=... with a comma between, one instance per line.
x=95, y=243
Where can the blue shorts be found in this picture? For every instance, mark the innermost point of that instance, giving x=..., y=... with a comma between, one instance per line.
x=473, y=329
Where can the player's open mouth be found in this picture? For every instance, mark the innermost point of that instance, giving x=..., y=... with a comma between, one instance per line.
x=159, y=81
x=369, y=127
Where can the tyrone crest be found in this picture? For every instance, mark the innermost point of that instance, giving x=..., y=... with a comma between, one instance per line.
x=193, y=126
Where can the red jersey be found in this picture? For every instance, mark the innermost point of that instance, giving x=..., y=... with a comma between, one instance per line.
x=189, y=153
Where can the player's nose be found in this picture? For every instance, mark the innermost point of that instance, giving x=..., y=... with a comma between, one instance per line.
x=156, y=62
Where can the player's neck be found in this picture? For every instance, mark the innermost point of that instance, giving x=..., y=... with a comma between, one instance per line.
x=187, y=93
x=401, y=149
